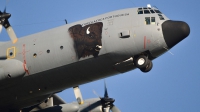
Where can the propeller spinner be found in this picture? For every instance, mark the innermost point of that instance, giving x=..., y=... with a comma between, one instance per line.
x=5, y=23
x=107, y=103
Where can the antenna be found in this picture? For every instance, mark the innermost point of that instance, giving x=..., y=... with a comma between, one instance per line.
x=132, y=2
x=168, y=51
x=148, y=5
x=157, y=43
x=155, y=7
x=65, y=21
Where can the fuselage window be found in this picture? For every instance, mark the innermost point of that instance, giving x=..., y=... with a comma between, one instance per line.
x=161, y=17
x=153, y=20
x=146, y=12
x=152, y=11
x=157, y=11
x=140, y=11
x=147, y=21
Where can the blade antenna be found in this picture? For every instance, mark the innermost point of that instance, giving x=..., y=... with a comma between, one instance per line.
x=168, y=50
x=65, y=21
x=132, y=2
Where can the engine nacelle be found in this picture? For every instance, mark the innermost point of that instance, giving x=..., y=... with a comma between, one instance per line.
x=90, y=105
x=11, y=70
x=71, y=107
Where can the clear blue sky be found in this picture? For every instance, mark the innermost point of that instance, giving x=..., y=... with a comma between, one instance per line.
x=173, y=85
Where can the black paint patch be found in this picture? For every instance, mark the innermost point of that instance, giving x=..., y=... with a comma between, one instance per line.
x=87, y=39
x=174, y=32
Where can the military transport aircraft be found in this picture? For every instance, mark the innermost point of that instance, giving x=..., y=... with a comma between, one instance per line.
x=36, y=67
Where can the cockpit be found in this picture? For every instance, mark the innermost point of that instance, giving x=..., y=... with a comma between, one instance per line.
x=150, y=10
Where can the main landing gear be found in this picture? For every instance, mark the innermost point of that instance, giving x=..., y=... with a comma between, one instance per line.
x=143, y=63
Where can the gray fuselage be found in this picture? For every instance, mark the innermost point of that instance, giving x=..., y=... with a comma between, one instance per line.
x=53, y=61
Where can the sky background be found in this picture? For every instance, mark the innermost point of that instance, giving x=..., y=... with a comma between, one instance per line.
x=173, y=85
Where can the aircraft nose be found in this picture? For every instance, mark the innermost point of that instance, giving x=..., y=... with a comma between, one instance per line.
x=174, y=32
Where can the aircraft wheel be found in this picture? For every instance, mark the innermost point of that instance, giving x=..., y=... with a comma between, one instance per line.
x=141, y=62
x=148, y=67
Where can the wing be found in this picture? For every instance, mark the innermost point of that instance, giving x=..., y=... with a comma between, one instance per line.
x=57, y=100
x=52, y=100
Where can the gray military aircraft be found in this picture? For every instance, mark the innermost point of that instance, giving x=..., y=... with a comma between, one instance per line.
x=36, y=67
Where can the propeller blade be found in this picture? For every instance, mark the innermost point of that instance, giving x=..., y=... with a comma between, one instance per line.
x=4, y=10
x=106, y=92
x=106, y=109
x=96, y=94
x=12, y=34
x=0, y=28
x=114, y=109
x=4, y=21
x=106, y=102
x=7, y=1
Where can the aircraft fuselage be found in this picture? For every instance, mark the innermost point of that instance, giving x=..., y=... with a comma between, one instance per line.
x=78, y=53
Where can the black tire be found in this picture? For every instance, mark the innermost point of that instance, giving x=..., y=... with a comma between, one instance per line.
x=148, y=67
x=141, y=61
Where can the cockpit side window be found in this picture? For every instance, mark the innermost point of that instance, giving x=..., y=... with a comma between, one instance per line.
x=153, y=20
x=161, y=17
x=147, y=21
x=146, y=12
x=157, y=11
x=150, y=21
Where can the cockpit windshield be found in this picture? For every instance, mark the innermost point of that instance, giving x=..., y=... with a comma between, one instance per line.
x=152, y=11
x=148, y=10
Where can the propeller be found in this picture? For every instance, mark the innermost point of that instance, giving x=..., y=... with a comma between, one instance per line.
x=5, y=23
x=107, y=103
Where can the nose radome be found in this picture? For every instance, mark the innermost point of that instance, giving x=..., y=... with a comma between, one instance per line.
x=174, y=32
